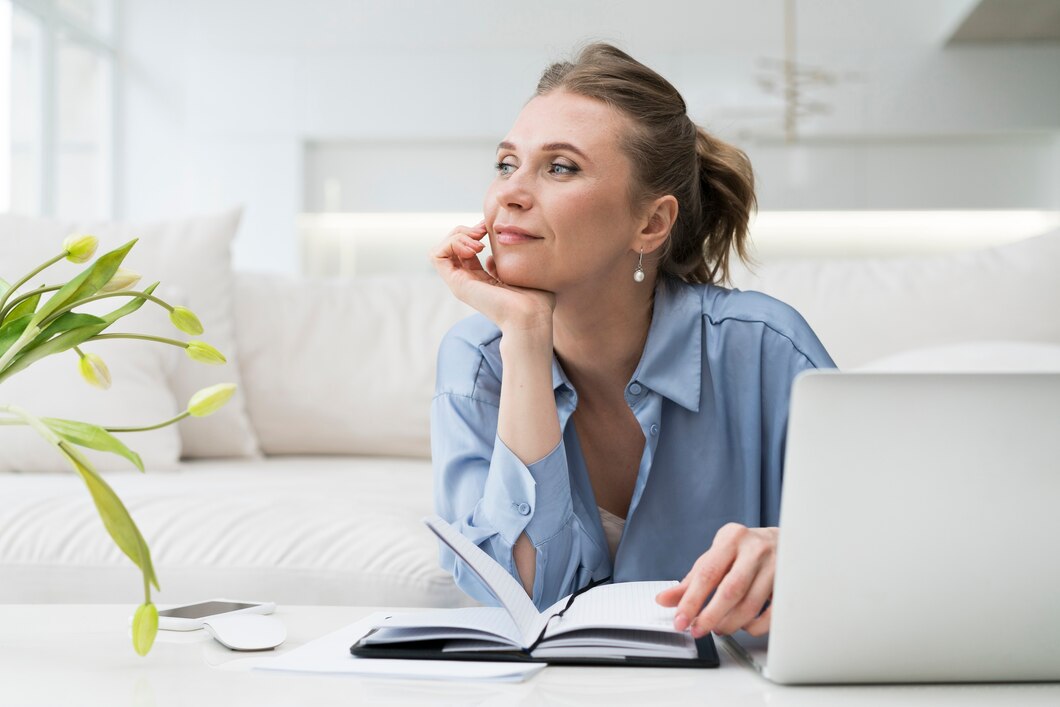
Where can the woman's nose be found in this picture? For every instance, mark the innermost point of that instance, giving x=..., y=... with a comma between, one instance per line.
x=513, y=192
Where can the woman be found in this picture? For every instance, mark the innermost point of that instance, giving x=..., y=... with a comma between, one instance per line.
x=612, y=411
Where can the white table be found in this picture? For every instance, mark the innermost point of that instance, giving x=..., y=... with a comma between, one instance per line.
x=81, y=655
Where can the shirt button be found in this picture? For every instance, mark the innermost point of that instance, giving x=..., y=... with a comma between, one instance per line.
x=654, y=429
x=635, y=389
x=523, y=508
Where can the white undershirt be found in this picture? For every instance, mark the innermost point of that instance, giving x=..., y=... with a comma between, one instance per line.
x=612, y=529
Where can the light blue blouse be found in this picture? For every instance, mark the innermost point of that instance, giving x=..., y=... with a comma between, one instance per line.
x=711, y=394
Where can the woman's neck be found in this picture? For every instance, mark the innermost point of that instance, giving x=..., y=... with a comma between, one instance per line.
x=599, y=335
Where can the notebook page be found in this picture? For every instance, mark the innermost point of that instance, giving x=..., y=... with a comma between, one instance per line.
x=504, y=586
x=627, y=605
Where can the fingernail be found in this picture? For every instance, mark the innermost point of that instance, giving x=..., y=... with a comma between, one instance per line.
x=680, y=622
x=698, y=632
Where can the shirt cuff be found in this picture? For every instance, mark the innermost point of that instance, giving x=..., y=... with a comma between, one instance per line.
x=534, y=498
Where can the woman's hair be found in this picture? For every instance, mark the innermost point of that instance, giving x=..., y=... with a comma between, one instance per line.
x=711, y=180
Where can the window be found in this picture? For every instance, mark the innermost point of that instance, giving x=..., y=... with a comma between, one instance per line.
x=61, y=89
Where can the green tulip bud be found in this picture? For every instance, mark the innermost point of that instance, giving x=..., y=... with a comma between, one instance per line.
x=204, y=353
x=209, y=400
x=122, y=280
x=95, y=371
x=185, y=320
x=144, y=628
x=80, y=247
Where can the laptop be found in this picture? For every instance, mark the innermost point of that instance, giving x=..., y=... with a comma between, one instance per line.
x=920, y=531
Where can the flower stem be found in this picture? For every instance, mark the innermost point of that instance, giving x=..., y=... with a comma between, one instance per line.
x=142, y=337
x=14, y=303
x=148, y=428
x=178, y=418
x=27, y=278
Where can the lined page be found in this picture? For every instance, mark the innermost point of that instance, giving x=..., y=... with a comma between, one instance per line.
x=628, y=605
x=504, y=586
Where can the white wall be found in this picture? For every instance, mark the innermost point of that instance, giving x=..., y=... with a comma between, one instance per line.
x=961, y=172
x=397, y=175
x=263, y=103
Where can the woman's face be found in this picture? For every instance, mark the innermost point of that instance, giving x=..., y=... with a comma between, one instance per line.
x=563, y=182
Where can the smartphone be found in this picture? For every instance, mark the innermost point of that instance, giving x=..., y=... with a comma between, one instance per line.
x=191, y=616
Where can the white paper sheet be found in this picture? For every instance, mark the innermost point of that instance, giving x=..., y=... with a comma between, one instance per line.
x=331, y=654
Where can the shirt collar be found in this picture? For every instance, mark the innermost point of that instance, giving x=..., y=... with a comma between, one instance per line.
x=672, y=362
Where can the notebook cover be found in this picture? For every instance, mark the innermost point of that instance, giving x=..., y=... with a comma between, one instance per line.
x=432, y=650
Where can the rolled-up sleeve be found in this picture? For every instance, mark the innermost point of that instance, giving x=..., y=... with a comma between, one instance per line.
x=534, y=498
x=488, y=494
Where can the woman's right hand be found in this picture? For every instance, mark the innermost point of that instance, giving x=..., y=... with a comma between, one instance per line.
x=511, y=308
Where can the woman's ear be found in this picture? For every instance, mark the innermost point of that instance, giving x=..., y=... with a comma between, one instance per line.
x=660, y=219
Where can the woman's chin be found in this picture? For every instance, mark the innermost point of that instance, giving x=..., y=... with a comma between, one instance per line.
x=521, y=274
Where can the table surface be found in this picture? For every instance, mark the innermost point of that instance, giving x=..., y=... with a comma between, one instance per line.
x=63, y=654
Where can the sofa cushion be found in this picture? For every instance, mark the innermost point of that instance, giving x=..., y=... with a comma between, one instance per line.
x=293, y=530
x=192, y=255
x=869, y=308
x=342, y=366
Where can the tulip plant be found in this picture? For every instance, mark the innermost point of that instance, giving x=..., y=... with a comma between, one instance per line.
x=29, y=331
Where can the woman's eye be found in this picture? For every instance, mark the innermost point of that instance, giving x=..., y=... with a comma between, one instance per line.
x=502, y=166
x=567, y=167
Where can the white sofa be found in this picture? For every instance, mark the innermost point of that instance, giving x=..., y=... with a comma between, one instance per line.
x=337, y=377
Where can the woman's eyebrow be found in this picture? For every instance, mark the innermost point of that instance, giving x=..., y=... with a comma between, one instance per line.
x=548, y=147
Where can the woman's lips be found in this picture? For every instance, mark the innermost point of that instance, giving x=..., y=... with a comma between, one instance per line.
x=509, y=235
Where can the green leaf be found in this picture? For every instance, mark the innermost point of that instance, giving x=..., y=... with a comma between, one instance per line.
x=115, y=516
x=85, y=284
x=144, y=628
x=10, y=332
x=26, y=306
x=65, y=322
x=84, y=434
x=4, y=287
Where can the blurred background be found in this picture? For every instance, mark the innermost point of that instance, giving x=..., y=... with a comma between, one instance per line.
x=317, y=116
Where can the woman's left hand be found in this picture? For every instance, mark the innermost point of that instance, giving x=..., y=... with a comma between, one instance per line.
x=738, y=568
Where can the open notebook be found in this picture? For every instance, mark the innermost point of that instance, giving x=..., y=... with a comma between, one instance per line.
x=603, y=624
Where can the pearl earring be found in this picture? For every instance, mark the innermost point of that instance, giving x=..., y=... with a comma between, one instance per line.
x=638, y=274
